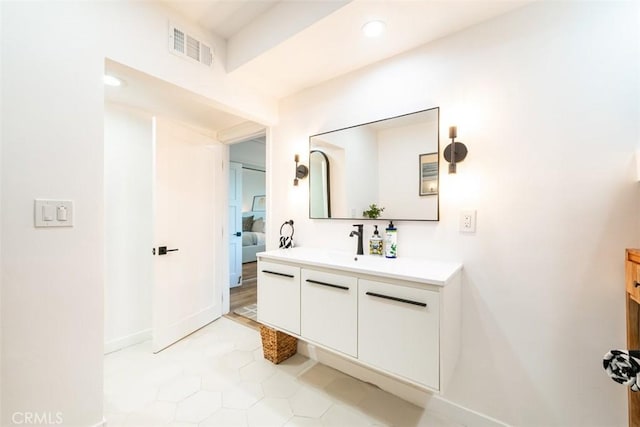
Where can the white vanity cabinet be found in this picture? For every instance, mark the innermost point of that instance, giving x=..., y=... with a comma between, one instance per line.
x=279, y=296
x=399, y=330
x=400, y=317
x=329, y=310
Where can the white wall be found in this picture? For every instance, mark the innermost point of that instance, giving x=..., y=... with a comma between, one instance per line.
x=274, y=26
x=52, y=285
x=128, y=226
x=141, y=42
x=403, y=159
x=1, y=318
x=546, y=100
x=251, y=153
x=53, y=55
x=253, y=184
x=359, y=161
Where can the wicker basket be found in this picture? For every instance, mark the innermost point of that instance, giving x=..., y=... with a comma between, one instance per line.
x=277, y=346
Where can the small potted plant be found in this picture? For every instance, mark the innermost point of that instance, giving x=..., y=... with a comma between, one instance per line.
x=373, y=212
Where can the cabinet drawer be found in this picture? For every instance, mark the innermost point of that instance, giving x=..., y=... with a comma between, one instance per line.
x=399, y=330
x=633, y=278
x=329, y=307
x=279, y=296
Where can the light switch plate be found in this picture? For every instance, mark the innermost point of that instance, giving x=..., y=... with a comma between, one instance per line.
x=49, y=209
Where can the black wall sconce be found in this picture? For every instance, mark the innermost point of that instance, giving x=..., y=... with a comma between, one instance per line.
x=301, y=171
x=454, y=152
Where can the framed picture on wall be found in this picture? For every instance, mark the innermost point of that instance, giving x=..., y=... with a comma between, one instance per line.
x=428, y=183
x=259, y=203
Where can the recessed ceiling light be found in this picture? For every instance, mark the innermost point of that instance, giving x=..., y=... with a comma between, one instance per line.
x=373, y=28
x=112, y=81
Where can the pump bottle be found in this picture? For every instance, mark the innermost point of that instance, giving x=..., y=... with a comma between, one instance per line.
x=375, y=243
x=391, y=241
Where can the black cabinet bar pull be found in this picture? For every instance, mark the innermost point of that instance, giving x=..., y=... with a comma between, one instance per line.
x=278, y=274
x=331, y=285
x=636, y=284
x=406, y=301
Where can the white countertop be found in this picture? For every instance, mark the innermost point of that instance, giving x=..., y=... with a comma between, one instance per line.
x=415, y=269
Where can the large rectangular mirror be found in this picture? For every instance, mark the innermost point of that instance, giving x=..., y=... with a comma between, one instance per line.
x=392, y=163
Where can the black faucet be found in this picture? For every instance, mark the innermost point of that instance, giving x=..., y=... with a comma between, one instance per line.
x=359, y=234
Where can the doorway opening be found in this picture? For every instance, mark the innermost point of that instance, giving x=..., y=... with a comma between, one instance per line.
x=166, y=183
x=248, y=218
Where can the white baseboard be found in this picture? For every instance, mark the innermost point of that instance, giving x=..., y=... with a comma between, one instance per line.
x=165, y=336
x=462, y=415
x=422, y=398
x=102, y=423
x=126, y=341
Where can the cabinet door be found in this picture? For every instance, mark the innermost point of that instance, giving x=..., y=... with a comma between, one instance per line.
x=633, y=280
x=329, y=307
x=279, y=296
x=399, y=330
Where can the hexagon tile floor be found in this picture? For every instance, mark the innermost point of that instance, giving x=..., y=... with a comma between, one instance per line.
x=218, y=377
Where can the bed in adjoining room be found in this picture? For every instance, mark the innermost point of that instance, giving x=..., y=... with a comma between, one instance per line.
x=252, y=235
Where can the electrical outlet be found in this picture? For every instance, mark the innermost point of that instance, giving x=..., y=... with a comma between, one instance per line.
x=468, y=221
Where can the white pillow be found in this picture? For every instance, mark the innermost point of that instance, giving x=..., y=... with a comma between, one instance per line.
x=258, y=225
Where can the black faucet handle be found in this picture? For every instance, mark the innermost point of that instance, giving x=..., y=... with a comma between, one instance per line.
x=358, y=225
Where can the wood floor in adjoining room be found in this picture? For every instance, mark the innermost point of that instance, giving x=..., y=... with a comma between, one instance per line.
x=245, y=294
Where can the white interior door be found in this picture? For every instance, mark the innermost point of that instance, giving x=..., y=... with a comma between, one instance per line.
x=235, y=224
x=188, y=218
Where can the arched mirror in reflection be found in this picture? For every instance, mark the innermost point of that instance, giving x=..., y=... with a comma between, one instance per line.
x=392, y=163
x=319, y=185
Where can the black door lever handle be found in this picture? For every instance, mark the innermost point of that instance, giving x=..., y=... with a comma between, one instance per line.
x=162, y=250
x=239, y=233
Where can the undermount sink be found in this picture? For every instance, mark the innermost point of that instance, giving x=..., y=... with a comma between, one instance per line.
x=344, y=257
x=337, y=258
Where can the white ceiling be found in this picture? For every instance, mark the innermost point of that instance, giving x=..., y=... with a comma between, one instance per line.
x=222, y=17
x=158, y=97
x=332, y=43
x=285, y=46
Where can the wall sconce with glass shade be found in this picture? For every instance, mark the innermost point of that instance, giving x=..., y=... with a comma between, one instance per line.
x=301, y=170
x=455, y=152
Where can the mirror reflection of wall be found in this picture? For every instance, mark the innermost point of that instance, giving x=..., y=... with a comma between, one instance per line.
x=380, y=163
x=319, y=184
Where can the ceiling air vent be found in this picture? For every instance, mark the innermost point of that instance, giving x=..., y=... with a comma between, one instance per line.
x=189, y=47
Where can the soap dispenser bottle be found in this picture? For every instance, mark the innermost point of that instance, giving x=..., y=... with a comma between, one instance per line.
x=391, y=241
x=375, y=243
